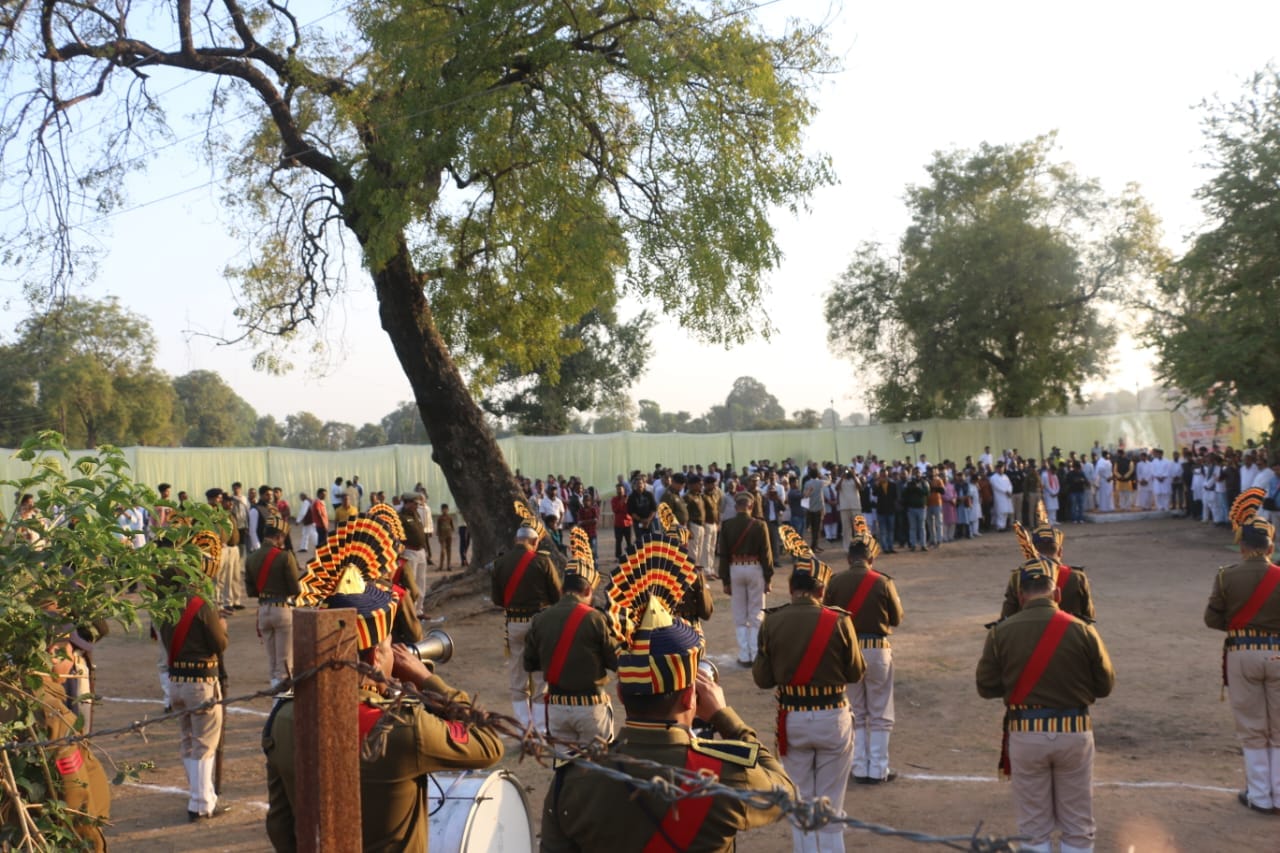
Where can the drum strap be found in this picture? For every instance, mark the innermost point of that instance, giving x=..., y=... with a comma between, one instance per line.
x=1261, y=593
x=184, y=625
x=567, y=633
x=513, y=583
x=682, y=822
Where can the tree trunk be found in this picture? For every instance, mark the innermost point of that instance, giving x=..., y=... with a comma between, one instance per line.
x=461, y=442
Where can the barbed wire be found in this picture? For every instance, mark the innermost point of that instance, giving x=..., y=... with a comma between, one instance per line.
x=670, y=784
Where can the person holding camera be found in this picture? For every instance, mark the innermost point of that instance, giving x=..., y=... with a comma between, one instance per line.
x=394, y=806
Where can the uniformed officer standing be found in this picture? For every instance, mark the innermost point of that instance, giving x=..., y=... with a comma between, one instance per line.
x=272, y=571
x=674, y=498
x=1049, y=667
x=525, y=582
x=394, y=808
x=662, y=690
x=1245, y=602
x=415, y=543
x=1076, y=597
x=810, y=653
x=697, y=513
x=746, y=569
x=194, y=644
x=872, y=601
x=711, y=498
x=571, y=645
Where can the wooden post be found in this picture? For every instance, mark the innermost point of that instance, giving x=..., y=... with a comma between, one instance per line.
x=326, y=738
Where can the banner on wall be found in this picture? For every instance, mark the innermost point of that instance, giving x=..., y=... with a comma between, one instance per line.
x=1197, y=428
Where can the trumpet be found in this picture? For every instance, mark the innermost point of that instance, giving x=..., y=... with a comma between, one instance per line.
x=711, y=670
x=435, y=647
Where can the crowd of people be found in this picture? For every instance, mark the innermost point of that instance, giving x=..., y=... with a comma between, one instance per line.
x=827, y=653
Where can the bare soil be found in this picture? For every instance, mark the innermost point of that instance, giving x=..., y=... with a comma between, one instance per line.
x=1168, y=760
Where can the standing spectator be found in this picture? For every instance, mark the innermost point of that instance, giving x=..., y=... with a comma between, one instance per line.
x=966, y=518
x=464, y=540
x=589, y=520
x=915, y=497
x=849, y=496
x=551, y=508
x=306, y=524
x=428, y=523
x=886, y=495
x=1002, y=493
x=795, y=505
x=933, y=509
x=444, y=525
x=949, y=516
x=1051, y=488
x=642, y=505
x=1077, y=485
x=345, y=511
x=621, y=520
x=320, y=517
x=814, y=503
x=337, y=494
x=359, y=489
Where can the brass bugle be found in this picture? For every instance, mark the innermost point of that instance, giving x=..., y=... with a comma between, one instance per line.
x=435, y=646
x=710, y=669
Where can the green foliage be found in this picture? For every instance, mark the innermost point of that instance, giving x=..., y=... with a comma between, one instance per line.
x=1216, y=322
x=304, y=431
x=371, y=435
x=65, y=566
x=999, y=290
x=599, y=357
x=404, y=425
x=215, y=415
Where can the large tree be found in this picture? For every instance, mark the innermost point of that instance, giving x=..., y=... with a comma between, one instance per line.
x=215, y=415
x=601, y=357
x=1215, y=327
x=999, y=289
x=499, y=163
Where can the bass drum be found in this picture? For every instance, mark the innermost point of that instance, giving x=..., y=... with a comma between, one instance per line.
x=479, y=812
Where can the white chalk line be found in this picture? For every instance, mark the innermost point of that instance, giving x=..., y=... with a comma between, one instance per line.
x=169, y=789
x=931, y=777
x=231, y=709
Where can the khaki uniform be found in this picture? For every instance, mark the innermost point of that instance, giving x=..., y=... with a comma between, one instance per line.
x=1252, y=674
x=81, y=781
x=815, y=731
x=275, y=609
x=537, y=590
x=1077, y=599
x=871, y=699
x=193, y=681
x=576, y=708
x=584, y=811
x=415, y=550
x=394, y=807
x=711, y=498
x=679, y=508
x=696, y=510
x=1051, y=747
x=746, y=569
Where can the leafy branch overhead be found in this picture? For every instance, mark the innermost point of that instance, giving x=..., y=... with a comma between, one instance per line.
x=1000, y=291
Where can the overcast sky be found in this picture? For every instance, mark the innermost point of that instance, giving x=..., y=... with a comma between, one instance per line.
x=1119, y=81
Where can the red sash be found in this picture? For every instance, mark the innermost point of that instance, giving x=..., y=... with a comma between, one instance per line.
x=266, y=567
x=367, y=719
x=1261, y=593
x=565, y=642
x=509, y=591
x=863, y=590
x=683, y=820
x=827, y=620
x=1040, y=657
x=183, y=626
x=1064, y=572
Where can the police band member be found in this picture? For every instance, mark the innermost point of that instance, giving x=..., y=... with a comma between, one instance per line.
x=271, y=574
x=525, y=582
x=1245, y=602
x=810, y=653
x=194, y=644
x=746, y=569
x=872, y=601
x=711, y=498
x=572, y=645
x=394, y=806
x=1048, y=667
x=662, y=691
x=1045, y=541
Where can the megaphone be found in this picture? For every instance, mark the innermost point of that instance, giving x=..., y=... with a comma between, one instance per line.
x=436, y=646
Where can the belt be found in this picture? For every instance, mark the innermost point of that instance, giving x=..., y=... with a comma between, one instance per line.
x=873, y=641
x=273, y=602
x=521, y=615
x=193, y=670
x=745, y=561
x=810, y=697
x=558, y=697
x=1251, y=639
x=1025, y=718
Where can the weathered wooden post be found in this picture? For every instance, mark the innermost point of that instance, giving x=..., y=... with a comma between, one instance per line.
x=326, y=735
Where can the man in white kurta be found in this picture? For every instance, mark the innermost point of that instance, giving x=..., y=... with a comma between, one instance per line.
x=1162, y=474
x=1102, y=481
x=1144, y=482
x=1002, y=495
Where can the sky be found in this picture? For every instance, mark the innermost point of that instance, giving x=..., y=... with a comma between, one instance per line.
x=1119, y=81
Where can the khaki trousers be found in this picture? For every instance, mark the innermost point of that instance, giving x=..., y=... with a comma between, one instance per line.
x=275, y=625
x=1253, y=685
x=871, y=704
x=747, y=598
x=710, y=542
x=524, y=686
x=580, y=724
x=231, y=578
x=697, y=540
x=200, y=729
x=819, y=755
x=1052, y=775
x=416, y=564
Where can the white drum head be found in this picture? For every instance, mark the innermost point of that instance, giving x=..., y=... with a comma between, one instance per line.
x=479, y=812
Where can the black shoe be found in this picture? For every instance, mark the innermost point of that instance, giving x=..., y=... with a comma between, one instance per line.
x=745, y=664
x=871, y=780
x=237, y=607
x=1243, y=797
x=218, y=811
x=863, y=780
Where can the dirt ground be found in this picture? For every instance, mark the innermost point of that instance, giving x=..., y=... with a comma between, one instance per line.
x=1168, y=761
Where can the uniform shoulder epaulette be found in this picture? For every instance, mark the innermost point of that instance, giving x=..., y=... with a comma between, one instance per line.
x=777, y=608
x=740, y=752
x=884, y=575
x=1074, y=567
x=836, y=609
